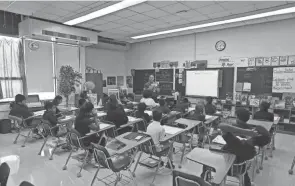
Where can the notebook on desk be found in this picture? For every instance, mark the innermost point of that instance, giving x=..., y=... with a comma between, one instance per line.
x=219, y=140
x=115, y=145
x=103, y=125
x=135, y=136
x=171, y=130
x=208, y=117
x=131, y=119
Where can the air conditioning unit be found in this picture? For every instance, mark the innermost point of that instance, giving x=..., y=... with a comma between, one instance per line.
x=42, y=30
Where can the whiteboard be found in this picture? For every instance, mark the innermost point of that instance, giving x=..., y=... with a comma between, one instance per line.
x=202, y=83
x=283, y=80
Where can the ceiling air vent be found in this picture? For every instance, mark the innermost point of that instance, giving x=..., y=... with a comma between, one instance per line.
x=65, y=36
x=110, y=41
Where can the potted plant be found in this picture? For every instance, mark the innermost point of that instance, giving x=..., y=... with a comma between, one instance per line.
x=68, y=78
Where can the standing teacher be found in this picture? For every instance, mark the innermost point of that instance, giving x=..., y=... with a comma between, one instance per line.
x=152, y=86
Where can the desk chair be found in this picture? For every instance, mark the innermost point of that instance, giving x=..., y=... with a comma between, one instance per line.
x=50, y=132
x=185, y=179
x=4, y=173
x=116, y=164
x=292, y=166
x=150, y=149
x=111, y=133
x=22, y=128
x=140, y=126
x=25, y=183
x=76, y=142
x=239, y=170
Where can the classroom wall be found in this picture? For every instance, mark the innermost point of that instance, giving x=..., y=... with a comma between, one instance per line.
x=110, y=62
x=267, y=39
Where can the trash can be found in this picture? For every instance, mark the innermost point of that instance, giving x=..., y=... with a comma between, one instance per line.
x=5, y=126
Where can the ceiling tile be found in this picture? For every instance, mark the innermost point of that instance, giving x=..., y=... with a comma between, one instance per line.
x=175, y=8
x=110, y=25
x=20, y=10
x=153, y=22
x=231, y=5
x=170, y=18
x=55, y=11
x=197, y=4
x=124, y=21
x=84, y=3
x=139, y=17
x=100, y=27
x=160, y=4
x=139, y=25
x=110, y=18
x=46, y=16
x=181, y=22
x=86, y=25
x=66, y=5
x=166, y=25
x=198, y=18
x=242, y=10
x=219, y=15
x=127, y=29
x=156, y=13
x=211, y=9
x=28, y=5
x=268, y=4
x=143, y=7
x=189, y=14
x=125, y=13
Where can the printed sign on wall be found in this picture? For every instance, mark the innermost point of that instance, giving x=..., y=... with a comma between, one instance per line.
x=267, y=61
x=259, y=61
x=275, y=61
x=291, y=60
x=283, y=60
x=251, y=62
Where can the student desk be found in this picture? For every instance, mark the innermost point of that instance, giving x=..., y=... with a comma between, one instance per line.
x=101, y=114
x=220, y=162
x=266, y=124
x=103, y=127
x=210, y=119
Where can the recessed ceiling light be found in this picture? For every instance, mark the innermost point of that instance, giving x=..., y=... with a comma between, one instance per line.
x=102, y=12
x=234, y=20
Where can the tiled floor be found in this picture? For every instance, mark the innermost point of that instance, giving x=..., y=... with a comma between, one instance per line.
x=43, y=172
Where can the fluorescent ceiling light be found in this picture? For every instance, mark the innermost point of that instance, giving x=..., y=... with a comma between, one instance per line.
x=245, y=18
x=102, y=12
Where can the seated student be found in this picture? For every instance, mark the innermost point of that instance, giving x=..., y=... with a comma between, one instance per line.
x=130, y=97
x=157, y=132
x=263, y=113
x=244, y=149
x=210, y=109
x=57, y=101
x=81, y=104
x=20, y=109
x=116, y=114
x=243, y=116
x=198, y=115
x=182, y=106
x=147, y=99
x=123, y=99
x=141, y=107
x=50, y=116
x=163, y=107
x=87, y=120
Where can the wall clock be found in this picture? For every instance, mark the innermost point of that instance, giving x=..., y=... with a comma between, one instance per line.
x=34, y=45
x=220, y=45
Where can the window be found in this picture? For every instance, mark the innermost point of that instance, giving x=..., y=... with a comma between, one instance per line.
x=10, y=74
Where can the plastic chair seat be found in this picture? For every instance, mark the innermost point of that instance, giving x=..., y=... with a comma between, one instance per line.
x=120, y=162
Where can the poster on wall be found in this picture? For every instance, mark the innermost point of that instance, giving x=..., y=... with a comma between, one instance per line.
x=275, y=61
x=111, y=80
x=267, y=61
x=129, y=81
x=259, y=61
x=251, y=62
x=283, y=60
x=291, y=60
x=120, y=80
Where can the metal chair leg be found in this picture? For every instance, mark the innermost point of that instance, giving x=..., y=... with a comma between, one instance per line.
x=65, y=166
x=26, y=139
x=158, y=167
x=182, y=155
x=95, y=175
x=15, y=141
x=84, y=162
x=262, y=158
x=43, y=145
x=292, y=166
x=52, y=152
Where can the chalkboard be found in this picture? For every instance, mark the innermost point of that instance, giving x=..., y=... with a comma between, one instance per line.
x=164, y=75
x=166, y=88
x=259, y=77
x=140, y=78
x=227, y=81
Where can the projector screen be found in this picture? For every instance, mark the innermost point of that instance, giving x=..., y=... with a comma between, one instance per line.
x=202, y=83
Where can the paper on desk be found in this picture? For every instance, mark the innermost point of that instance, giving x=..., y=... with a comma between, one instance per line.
x=219, y=140
x=208, y=117
x=171, y=130
x=127, y=110
x=100, y=114
x=191, y=109
x=150, y=113
x=132, y=118
x=39, y=113
x=103, y=125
